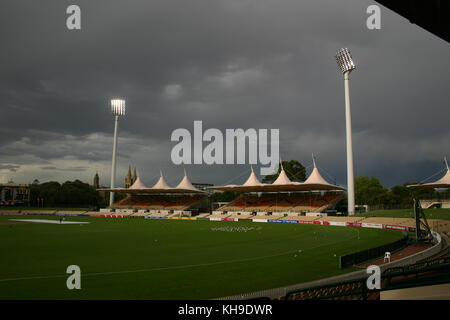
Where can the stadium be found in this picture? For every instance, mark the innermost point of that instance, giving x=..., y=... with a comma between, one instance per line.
x=274, y=241
x=234, y=65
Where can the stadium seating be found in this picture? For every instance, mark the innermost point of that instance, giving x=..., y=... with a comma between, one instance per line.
x=242, y=215
x=159, y=202
x=282, y=202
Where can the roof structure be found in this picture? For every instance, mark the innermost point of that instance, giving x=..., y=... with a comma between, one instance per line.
x=315, y=182
x=137, y=184
x=185, y=186
x=282, y=178
x=252, y=180
x=161, y=184
x=443, y=182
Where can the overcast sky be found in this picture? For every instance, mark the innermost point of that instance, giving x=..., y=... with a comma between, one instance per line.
x=230, y=63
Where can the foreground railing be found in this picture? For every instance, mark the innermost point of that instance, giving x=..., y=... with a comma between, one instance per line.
x=428, y=273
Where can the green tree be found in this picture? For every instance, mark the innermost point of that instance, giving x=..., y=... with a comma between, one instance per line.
x=70, y=193
x=46, y=191
x=402, y=195
x=294, y=170
x=224, y=196
x=369, y=191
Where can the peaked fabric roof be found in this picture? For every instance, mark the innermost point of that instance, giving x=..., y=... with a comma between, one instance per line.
x=282, y=178
x=161, y=184
x=138, y=184
x=314, y=182
x=186, y=184
x=443, y=182
x=252, y=180
x=315, y=177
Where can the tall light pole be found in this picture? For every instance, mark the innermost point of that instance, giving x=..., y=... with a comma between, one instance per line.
x=117, y=109
x=345, y=62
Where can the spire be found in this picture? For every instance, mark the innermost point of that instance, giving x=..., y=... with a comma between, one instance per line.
x=96, y=180
x=314, y=160
x=128, y=181
x=134, y=175
x=281, y=164
x=446, y=163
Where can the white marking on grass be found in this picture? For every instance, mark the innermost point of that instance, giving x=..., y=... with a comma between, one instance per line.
x=47, y=221
x=176, y=267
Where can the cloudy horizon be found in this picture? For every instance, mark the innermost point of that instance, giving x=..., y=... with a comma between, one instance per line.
x=263, y=64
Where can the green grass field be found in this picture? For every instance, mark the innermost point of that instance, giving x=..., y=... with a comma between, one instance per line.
x=443, y=214
x=170, y=259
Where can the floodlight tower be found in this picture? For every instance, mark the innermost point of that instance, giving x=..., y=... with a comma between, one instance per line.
x=117, y=109
x=345, y=62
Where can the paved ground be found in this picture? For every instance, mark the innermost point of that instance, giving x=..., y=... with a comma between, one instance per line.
x=400, y=254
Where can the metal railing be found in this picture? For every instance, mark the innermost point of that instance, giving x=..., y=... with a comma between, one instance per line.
x=428, y=273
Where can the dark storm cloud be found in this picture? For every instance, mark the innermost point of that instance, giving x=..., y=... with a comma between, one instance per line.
x=10, y=167
x=231, y=64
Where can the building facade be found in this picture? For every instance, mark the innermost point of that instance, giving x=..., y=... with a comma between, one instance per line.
x=14, y=194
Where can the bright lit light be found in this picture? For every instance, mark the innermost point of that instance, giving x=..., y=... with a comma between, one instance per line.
x=118, y=107
x=344, y=60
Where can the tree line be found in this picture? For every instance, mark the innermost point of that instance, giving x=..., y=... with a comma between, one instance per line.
x=369, y=191
x=69, y=194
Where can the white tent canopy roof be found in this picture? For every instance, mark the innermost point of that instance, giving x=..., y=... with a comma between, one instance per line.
x=282, y=178
x=314, y=182
x=252, y=180
x=315, y=177
x=161, y=184
x=443, y=182
x=138, y=184
x=186, y=184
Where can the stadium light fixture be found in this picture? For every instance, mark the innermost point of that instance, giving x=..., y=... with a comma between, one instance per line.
x=347, y=65
x=117, y=109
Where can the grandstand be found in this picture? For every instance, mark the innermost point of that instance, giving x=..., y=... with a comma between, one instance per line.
x=442, y=183
x=283, y=197
x=159, y=200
